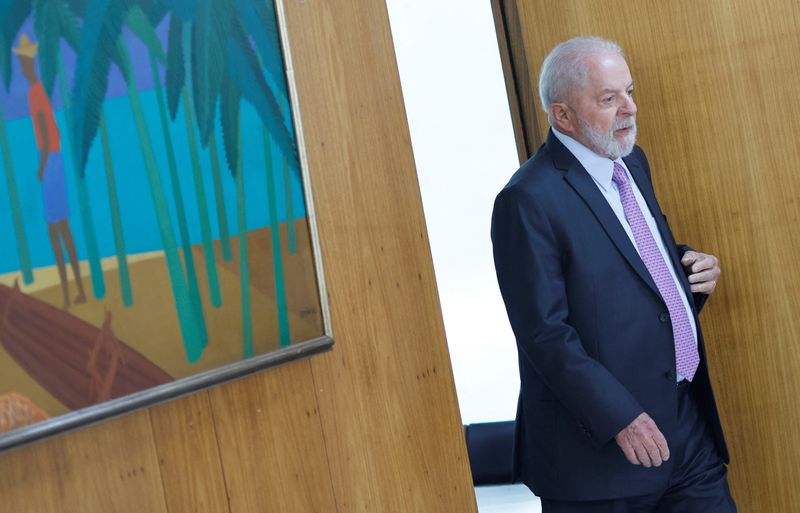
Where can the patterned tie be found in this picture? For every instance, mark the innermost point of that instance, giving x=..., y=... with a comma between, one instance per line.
x=686, y=357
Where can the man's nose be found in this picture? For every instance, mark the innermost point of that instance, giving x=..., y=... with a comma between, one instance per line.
x=628, y=107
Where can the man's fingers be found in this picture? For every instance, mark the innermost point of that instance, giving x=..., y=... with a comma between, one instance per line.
x=707, y=262
x=653, y=453
x=662, y=445
x=646, y=434
x=705, y=288
x=641, y=454
x=627, y=449
x=643, y=443
x=704, y=271
x=704, y=276
x=696, y=262
x=705, y=281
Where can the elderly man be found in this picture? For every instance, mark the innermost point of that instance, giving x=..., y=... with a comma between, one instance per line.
x=616, y=411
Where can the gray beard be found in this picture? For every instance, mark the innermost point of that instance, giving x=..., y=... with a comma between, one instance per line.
x=607, y=143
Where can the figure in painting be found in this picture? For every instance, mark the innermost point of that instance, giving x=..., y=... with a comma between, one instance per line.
x=51, y=170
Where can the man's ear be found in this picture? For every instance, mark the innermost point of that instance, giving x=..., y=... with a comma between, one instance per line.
x=562, y=117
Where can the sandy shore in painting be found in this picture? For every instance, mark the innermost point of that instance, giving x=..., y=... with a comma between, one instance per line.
x=150, y=325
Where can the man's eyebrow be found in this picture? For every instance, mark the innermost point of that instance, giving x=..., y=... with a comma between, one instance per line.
x=609, y=90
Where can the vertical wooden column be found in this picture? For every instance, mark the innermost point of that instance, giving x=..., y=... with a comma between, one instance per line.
x=719, y=118
x=390, y=364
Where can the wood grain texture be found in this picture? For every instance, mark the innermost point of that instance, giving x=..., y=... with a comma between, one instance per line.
x=719, y=118
x=271, y=442
x=386, y=395
x=106, y=467
x=371, y=427
x=188, y=455
x=515, y=72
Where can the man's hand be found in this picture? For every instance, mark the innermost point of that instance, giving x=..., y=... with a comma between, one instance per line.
x=703, y=271
x=643, y=443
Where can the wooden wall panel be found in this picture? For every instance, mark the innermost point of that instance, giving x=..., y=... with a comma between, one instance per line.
x=273, y=455
x=188, y=455
x=372, y=426
x=107, y=467
x=719, y=118
x=390, y=364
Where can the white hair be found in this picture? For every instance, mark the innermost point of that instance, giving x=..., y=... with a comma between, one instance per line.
x=565, y=68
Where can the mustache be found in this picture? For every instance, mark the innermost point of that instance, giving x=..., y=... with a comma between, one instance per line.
x=625, y=123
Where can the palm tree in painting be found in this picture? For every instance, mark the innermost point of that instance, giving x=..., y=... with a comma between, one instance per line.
x=244, y=264
x=23, y=252
x=225, y=65
x=11, y=15
x=102, y=23
x=56, y=13
x=143, y=26
x=220, y=54
x=202, y=205
x=219, y=198
x=287, y=180
x=277, y=256
x=126, y=289
x=219, y=51
x=56, y=21
x=178, y=63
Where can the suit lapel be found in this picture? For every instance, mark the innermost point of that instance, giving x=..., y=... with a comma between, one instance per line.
x=646, y=188
x=581, y=181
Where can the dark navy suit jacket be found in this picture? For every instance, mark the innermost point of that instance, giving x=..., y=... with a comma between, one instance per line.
x=594, y=336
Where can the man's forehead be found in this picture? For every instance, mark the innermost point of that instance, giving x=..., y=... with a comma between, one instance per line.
x=608, y=71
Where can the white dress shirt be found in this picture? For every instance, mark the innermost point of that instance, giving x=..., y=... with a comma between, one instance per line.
x=601, y=170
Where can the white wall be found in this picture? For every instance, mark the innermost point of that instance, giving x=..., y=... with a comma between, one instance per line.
x=463, y=144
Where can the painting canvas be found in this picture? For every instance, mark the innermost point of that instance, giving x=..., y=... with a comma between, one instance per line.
x=153, y=217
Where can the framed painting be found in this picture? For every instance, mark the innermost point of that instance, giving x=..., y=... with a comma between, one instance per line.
x=156, y=224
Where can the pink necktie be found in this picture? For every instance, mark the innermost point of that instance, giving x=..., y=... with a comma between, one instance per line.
x=686, y=357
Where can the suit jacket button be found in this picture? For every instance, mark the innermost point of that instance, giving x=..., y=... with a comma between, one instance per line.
x=663, y=317
x=670, y=375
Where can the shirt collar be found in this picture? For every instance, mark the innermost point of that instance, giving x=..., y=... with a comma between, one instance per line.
x=599, y=167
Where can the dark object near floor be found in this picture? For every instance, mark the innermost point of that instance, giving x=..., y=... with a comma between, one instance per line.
x=490, y=446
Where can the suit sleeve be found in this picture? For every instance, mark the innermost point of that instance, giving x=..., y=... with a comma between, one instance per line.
x=529, y=271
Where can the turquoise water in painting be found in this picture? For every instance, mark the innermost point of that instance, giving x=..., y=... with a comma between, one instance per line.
x=138, y=214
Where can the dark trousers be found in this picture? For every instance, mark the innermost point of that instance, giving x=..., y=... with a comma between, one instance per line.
x=698, y=484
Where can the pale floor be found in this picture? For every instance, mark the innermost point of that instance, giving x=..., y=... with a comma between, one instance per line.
x=506, y=499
